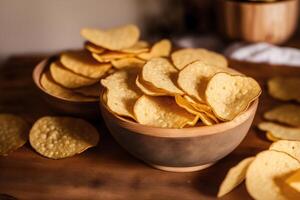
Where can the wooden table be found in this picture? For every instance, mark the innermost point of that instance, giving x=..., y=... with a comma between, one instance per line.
x=107, y=171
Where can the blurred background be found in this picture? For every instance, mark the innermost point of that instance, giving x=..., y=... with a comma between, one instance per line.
x=42, y=26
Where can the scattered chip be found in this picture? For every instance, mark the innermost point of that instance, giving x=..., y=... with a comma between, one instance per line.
x=294, y=180
x=110, y=56
x=127, y=62
x=279, y=131
x=290, y=147
x=61, y=137
x=270, y=137
x=13, y=133
x=161, y=112
x=229, y=95
x=54, y=89
x=288, y=114
x=113, y=39
x=183, y=57
x=149, y=89
x=91, y=90
x=161, y=74
x=93, y=48
x=159, y=49
x=81, y=62
x=139, y=47
x=235, y=176
x=284, y=88
x=266, y=174
x=67, y=78
x=122, y=91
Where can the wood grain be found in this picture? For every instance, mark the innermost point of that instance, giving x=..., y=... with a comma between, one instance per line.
x=107, y=171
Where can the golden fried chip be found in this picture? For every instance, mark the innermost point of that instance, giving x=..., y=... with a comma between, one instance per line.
x=13, y=133
x=139, y=47
x=183, y=57
x=266, y=174
x=67, y=78
x=230, y=95
x=93, y=48
x=159, y=49
x=149, y=89
x=235, y=176
x=284, y=88
x=270, y=137
x=127, y=62
x=61, y=137
x=161, y=112
x=91, y=90
x=110, y=56
x=279, y=131
x=290, y=147
x=54, y=89
x=294, y=180
x=288, y=114
x=113, y=39
x=161, y=74
x=81, y=62
x=194, y=77
x=122, y=92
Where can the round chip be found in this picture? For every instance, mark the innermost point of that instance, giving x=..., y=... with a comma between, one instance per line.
x=161, y=112
x=139, y=47
x=194, y=77
x=67, y=78
x=13, y=133
x=161, y=74
x=159, y=49
x=270, y=137
x=279, y=131
x=81, y=62
x=183, y=57
x=290, y=147
x=61, y=137
x=229, y=95
x=127, y=62
x=110, y=56
x=288, y=114
x=54, y=89
x=91, y=90
x=122, y=91
x=265, y=176
x=113, y=39
x=93, y=48
x=149, y=89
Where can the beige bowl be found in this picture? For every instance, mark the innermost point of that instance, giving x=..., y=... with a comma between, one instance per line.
x=88, y=110
x=179, y=150
x=256, y=21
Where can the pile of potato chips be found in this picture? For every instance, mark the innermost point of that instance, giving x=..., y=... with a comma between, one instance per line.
x=52, y=137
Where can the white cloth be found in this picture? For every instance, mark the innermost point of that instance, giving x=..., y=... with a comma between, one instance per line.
x=264, y=53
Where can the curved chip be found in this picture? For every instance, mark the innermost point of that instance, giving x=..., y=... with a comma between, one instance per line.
x=194, y=77
x=67, y=78
x=113, y=39
x=61, y=137
x=266, y=174
x=183, y=57
x=284, y=88
x=91, y=90
x=93, y=48
x=294, y=180
x=110, y=56
x=81, y=62
x=235, y=176
x=139, y=47
x=279, y=131
x=290, y=147
x=13, y=133
x=288, y=114
x=161, y=74
x=127, y=62
x=161, y=112
x=149, y=89
x=270, y=137
x=54, y=89
x=159, y=49
x=122, y=91
x=230, y=95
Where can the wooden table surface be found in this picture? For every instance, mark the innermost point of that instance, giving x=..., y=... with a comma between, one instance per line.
x=107, y=171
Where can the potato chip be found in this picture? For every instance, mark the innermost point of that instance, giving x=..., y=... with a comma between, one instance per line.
x=93, y=48
x=161, y=112
x=279, y=131
x=193, y=78
x=288, y=114
x=67, y=78
x=61, y=137
x=139, y=47
x=294, y=180
x=110, y=56
x=290, y=147
x=265, y=176
x=122, y=92
x=54, y=89
x=91, y=90
x=149, y=89
x=161, y=74
x=235, y=176
x=183, y=57
x=284, y=88
x=81, y=62
x=159, y=49
x=230, y=95
x=13, y=133
x=270, y=137
x=127, y=62
x=113, y=39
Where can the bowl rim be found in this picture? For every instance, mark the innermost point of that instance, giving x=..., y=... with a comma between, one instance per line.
x=36, y=76
x=260, y=2
x=179, y=133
